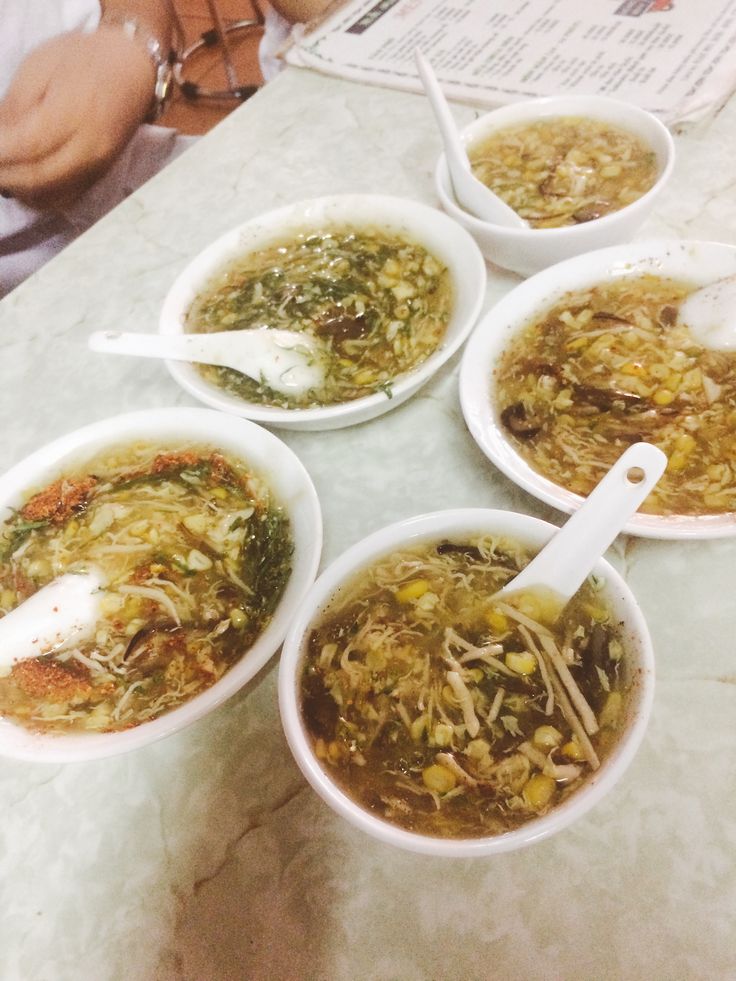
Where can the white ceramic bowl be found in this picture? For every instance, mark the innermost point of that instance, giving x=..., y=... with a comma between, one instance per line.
x=696, y=262
x=527, y=250
x=434, y=528
x=429, y=227
x=291, y=487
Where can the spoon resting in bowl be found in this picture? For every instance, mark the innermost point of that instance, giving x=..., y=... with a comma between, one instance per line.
x=710, y=314
x=60, y=614
x=557, y=572
x=285, y=360
x=472, y=194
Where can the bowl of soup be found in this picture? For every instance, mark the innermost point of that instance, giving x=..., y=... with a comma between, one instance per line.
x=589, y=356
x=204, y=532
x=442, y=720
x=583, y=171
x=387, y=288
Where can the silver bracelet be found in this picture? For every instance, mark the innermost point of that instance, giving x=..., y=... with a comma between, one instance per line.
x=162, y=59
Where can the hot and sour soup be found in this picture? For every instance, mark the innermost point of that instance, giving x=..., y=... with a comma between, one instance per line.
x=194, y=553
x=377, y=303
x=448, y=713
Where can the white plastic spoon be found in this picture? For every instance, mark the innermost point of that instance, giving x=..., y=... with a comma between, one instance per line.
x=285, y=360
x=471, y=193
x=710, y=314
x=563, y=565
x=59, y=615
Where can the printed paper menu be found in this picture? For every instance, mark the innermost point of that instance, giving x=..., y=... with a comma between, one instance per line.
x=674, y=57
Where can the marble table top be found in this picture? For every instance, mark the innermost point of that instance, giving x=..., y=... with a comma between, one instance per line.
x=206, y=857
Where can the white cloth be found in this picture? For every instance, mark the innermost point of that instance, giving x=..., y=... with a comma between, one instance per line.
x=28, y=238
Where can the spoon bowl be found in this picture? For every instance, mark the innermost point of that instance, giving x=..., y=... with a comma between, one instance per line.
x=710, y=314
x=285, y=360
x=60, y=614
x=472, y=194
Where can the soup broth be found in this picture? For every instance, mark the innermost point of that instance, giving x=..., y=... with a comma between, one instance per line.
x=452, y=714
x=566, y=170
x=378, y=304
x=194, y=554
x=610, y=366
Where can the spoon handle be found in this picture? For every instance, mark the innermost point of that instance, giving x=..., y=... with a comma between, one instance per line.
x=457, y=159
x=566, y=561
x=188, y=347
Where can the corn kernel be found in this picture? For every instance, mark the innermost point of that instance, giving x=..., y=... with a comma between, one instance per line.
x=663, y=396
x=597, y=613
x=677, y=462
x=449, y=695
x=443, y=734
x=576, y=344
x=417, y=728
x=365, y=377
x=438, y=778
x=476, y=674
x=219, y=492
x=71, y=529
x=477, y=749
x=633, y=368
x=412, y=590
x=238, y=618
x=529, y=605
x=611, y=710
x=673, y=381
x=8, y=598
x=546, y=737
x=538, y=791
x=196, y=523
x=572, y=751
x=521, y=662
x=497, y=621
x=685, y=443
x=692, y=380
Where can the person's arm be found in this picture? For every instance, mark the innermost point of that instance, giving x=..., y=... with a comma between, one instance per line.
x=75, y=102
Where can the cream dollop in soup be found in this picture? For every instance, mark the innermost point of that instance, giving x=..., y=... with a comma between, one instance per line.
x=449, y=713
x=378, y=304
x=194, y=554
x=565, y=170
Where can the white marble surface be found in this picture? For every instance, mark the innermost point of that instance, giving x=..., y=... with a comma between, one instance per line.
x=206, y=857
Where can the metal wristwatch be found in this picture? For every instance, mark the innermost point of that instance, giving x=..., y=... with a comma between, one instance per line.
x=162, y=59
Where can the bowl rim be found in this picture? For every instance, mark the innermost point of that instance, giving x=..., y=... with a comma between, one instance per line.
x=517, y=110
x=426, y=527
x=508, y=317
x=187, y=425
x=465, y=259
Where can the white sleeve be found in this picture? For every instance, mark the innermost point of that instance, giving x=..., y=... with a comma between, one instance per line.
x=275, y=36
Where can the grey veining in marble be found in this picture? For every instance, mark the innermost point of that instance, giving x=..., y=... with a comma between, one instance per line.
x=206, y=857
